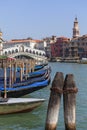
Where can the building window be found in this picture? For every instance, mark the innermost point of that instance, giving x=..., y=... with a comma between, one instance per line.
x=16, y=50
x=5, y=52
x=72, y=43
x=30, y=51
x=12, y=51
x=33, y=52
x=9, y=52
x=26, y=50
x=78, y=44
x=80, y=50
x=37, y=53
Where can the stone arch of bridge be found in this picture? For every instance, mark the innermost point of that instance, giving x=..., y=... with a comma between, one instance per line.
x=29, y=55
x=7, y=52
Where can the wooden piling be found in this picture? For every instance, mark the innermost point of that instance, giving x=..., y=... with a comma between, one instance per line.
x=26, y=68
x=21, y=73
x=15, y=69
x=10, y=75
x=23, y=67
x=69, y=99
x=30, y=64
x=54, y=102
x=5, y=81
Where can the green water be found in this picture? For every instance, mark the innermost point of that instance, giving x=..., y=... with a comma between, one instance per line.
x=35, y=120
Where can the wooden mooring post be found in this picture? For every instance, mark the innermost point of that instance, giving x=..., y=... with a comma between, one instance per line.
x=54, y=102
x=15, y=69
x=69, y=100
x=21, y=73
x=10, y=75
x=5, y=81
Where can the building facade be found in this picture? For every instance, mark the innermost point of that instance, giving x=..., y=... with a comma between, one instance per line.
x=78, y=47
x=26, y=42
x=60, y=48
x=78, y=44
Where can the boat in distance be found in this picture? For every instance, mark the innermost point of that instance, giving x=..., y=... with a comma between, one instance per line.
x=18, y=105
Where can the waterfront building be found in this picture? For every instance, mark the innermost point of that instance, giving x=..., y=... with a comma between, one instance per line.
x=78, y=44
x=34, y=44
x=60, y=48
x=47, y=47
x=78, y=47
x=40, y=45
x=66, y=48
x=26, y=42
x=73, y=48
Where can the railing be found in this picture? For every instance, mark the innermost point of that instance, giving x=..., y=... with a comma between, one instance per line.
x=34, y=56
x=27, y=51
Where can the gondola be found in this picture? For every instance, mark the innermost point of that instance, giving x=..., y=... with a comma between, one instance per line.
x=38, y=73
x=36, y=67
x=26, y=88
x=30, y=75
x=18, y=105
x=40, y=66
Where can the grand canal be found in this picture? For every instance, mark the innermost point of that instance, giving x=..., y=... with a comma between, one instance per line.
x=35, y=120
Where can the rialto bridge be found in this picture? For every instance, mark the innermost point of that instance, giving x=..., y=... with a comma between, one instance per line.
x=21, y=51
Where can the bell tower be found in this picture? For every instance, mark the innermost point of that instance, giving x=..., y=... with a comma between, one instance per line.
x=76, y=29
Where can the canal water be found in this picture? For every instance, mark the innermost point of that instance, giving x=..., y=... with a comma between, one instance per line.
x=35, y=120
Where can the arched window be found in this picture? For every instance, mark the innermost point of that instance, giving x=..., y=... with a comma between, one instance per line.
x=40, y=53
x=26, y=50
x=16, y=50
x=37, y=52
x=33, y=52
x=5, y=52
x=30, y=51
x=12, y=51
x=9, y=52
x=21, y=48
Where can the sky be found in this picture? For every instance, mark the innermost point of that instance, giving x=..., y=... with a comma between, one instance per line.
x=41, y=18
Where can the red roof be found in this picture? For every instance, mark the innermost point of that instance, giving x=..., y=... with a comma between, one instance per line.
x=23, y=40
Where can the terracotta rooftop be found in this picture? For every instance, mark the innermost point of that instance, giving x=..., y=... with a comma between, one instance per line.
x=23, y=40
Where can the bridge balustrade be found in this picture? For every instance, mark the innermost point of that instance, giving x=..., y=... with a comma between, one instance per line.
x=27, y=51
